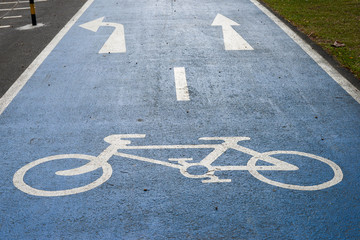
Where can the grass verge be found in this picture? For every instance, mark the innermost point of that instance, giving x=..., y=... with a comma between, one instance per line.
x=326, y=21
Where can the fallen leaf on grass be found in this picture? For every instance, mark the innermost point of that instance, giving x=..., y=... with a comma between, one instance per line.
x=338, y=44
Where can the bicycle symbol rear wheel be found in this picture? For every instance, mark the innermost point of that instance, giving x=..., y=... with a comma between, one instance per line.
x=18, y=178
x=338, y=175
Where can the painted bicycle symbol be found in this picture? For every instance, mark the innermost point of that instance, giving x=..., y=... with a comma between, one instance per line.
x=121, y=142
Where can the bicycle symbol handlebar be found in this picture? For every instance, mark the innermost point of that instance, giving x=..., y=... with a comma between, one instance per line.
x=121, y=142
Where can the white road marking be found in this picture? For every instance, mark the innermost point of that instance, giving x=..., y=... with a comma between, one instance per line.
x=116, y=41
x=120, y=142
x=13, y=9
x=232, y=40
x=330, y=70
x=30, y=26
x=182, y=92
x=13, y=2
x=26, y=75
x=5, y=26
x=9, y=17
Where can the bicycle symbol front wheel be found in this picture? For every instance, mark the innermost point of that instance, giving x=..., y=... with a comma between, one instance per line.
x=338, y=175
x=18, y=178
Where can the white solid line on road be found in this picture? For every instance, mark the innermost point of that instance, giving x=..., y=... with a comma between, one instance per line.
x=13, y=9
x=182, y=92
x=330, y=70
x=5, y=26
x=26, y=75
x=9, y=17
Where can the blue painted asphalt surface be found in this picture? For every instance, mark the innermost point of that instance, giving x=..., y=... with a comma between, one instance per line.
x=276, y=95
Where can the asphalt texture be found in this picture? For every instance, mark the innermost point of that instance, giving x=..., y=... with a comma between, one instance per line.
x=179, y=131
x=20, y=48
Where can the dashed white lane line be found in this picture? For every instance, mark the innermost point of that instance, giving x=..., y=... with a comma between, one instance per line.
x=182, y=92
x=5, y=26
x=6, y=99
x=330, y=70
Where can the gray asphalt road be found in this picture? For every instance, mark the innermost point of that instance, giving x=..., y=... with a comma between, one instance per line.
x=20, y=48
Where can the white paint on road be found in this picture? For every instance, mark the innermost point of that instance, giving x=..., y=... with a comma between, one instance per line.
x=6, y=99
x=121, y=142
x=30, y=26
x=330, y=70
x=232, y=40
x=13, y=2
x=116, y=41
x=182, y=91
x=13, y=9
x=10, y=17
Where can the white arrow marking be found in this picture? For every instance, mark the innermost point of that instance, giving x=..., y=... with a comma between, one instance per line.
x=116, y=41
x=232, y=40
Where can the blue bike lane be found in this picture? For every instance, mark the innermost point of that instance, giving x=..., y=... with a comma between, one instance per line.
x=167, y=73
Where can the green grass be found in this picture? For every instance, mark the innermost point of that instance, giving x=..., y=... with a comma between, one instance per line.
x=327, y=21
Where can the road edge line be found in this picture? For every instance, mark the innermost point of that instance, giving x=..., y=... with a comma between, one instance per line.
x=321, y=61
x=16, y=87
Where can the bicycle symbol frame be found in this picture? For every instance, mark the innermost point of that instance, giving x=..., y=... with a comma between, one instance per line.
x=120, y=141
